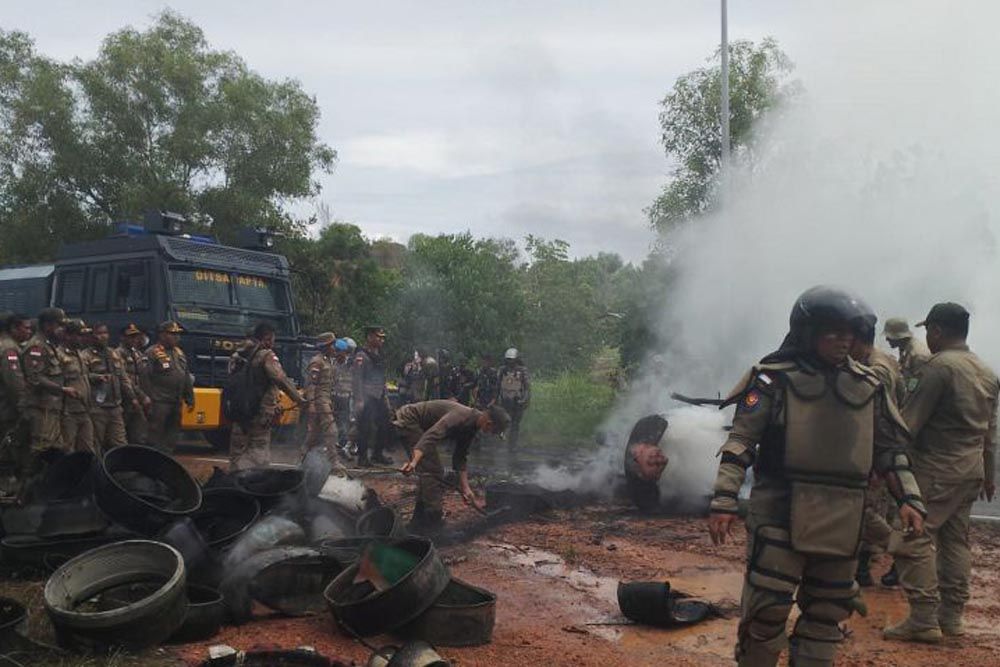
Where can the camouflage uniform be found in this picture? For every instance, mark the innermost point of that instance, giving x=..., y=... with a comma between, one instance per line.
x=343, y=381
x=487, y=387
x=43, y=403
x=321, y=427
x=515, y=394
x=77, y=426
x=250, y=443
x=136, y=425
x=168, y=384
x=110, y=385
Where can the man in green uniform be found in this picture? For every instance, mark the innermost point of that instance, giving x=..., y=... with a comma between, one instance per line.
x=167, y=383
x=814, y=424
x=130, y=352
x=515, y=392
x=422, y=428
x=951, y=411
x=487, y=389
x=43, y=377
x=111, y=388
x=250, y=443
x=77, y=426
x=321, y=426
x=371, y=403
x=912, y=352
x=14, y=330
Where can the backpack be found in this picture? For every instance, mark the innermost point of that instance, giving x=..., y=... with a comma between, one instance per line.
x=242, y=394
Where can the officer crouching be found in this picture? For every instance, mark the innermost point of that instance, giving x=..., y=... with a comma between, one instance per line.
x=814, y=424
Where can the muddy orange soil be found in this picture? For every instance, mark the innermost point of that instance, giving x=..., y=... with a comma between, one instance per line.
x=555, y=578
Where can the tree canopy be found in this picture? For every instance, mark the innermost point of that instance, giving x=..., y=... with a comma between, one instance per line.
x=157, y=120
x=690, y=121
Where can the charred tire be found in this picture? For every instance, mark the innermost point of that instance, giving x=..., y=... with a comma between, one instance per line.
x=146, y=622
x=206, y=612
x=361, y=610
x=463, y=615
x=269, y=485
x=224, y=515
x=140, y=510
x=237, y=585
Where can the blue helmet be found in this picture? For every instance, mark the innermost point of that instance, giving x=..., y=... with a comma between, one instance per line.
x=341, y=345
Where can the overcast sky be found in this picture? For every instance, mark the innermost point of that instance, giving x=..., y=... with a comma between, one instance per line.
x=504, y=118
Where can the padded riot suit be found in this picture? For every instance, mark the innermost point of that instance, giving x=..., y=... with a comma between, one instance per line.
x=813, y=434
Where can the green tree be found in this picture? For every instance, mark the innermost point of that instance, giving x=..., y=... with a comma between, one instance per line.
x=690, y=124
x=157, y=120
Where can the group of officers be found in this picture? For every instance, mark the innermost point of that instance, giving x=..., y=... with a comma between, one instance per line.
x=64, y=388
x=829, y=423
x=346, y=399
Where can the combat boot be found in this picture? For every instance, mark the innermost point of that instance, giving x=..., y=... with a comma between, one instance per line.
x=920, y=626
x=864, y=575
x=950, y=620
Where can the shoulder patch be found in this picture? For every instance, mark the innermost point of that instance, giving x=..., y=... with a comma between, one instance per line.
x=751, y=401
x=912, y=383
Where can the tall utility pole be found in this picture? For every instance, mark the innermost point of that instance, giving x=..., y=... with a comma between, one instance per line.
x=724, y=111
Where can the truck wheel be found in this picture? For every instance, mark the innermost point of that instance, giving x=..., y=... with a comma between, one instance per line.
x=218, y=438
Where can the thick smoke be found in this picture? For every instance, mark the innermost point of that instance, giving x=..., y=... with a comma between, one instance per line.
x=882, y=178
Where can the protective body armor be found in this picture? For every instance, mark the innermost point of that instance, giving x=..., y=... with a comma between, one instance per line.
x=512, y=384
x=829, y=445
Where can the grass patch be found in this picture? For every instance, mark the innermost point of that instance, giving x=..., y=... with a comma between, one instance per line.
x=566, y=409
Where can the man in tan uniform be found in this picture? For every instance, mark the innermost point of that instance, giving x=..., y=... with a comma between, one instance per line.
x=912, y=352
x=250, y=443
x=43, y=377
x=321, y=428
x=14, y=330
x=814, y=424
x=879, y=508
x=422, y=428
x=130, y=351
x=110, y=388
x=951, y=411
x=167, y=383
x=77, y=426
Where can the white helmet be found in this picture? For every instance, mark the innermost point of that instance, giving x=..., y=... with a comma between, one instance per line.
x=511, y=353
x=351, y=345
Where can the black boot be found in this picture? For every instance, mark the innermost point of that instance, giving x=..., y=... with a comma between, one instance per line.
x=863, y=575
x=891, y=578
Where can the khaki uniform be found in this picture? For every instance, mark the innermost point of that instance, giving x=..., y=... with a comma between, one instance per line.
x=880, y=510
x=913, y=354
x=321, y=427
x=813, y=436
x=515, y=394
x=951, y=411
x=43, y=401
x=77, y=426
x=136, y=425
x=110, y=387
x=12, y=391
x=343, y=381
x=250, y=443
x=425, y=427
x=167, y=383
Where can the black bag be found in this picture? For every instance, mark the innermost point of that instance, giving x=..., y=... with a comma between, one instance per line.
x=243, y=392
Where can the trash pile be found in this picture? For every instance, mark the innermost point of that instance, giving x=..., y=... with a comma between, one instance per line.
x=141, y=554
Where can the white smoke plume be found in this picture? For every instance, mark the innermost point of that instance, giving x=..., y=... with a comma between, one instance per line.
x=883, y=178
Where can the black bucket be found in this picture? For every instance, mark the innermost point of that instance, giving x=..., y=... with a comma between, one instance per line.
x=654, y=603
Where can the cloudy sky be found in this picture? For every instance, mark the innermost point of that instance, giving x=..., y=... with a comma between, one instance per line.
x=504, y=118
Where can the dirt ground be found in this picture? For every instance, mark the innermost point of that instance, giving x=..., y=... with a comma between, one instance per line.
x=556, y=575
